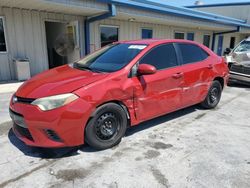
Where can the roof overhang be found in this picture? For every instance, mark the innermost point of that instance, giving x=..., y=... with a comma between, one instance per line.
x=170, y=20
x=141, y=10
x=220, y=5
x=178, y=12
x=72, y=7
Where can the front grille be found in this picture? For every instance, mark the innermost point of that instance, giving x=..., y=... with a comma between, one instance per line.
x=17, y=118
x=23, y=132
x=240, y=69
x=19, y=125
x=24, y=100
x=14, y=113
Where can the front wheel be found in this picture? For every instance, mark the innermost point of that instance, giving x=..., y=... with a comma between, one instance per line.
x=107, y=127
x=214, y=95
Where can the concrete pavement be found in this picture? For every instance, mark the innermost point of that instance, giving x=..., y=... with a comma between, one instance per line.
x=189, y=148
x=6, y=91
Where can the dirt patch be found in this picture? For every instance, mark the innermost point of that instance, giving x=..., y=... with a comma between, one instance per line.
x=150, y=154
x=56, y=186
x=96, y=165
x=138, y=158
x=160, y=178
x=107, y=159
x=72, y=174
x=118, y=154
x=200, y=116
x=113, y=185
x=26, y=174
x=161, y=145
x=5, y=127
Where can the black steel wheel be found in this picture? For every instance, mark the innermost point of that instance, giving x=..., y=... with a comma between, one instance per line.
x=107, y=126
x=213, y=96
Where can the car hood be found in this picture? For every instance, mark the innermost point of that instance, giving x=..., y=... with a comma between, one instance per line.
x=64, y=79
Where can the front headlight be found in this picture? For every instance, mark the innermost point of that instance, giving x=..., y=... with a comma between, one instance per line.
x=52, y=102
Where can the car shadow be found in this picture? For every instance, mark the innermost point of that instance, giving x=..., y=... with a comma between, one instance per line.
x=239, y=85
x=46, y=153
x=162, y=119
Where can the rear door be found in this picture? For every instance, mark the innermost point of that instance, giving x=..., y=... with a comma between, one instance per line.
x=159, y=93
x=197, y=70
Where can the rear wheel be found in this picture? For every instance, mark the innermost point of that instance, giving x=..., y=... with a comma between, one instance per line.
x=213, y=96
x=107, y=127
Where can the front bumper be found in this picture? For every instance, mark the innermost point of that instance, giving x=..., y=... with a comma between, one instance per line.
x=61, y=127
x=235, y=76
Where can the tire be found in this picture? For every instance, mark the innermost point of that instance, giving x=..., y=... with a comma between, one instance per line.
x=214, y=95
x=107, y=126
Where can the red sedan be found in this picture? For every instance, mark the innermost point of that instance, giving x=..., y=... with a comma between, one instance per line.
x=97, y=98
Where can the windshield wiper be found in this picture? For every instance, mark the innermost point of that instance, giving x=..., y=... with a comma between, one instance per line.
x=77, y=65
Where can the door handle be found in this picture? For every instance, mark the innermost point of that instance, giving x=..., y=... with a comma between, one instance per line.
x=177, y=75
x=210, y=66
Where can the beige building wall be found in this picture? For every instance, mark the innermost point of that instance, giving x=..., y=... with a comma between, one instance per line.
x=26, y=38
x=226, y=40
x=240, y=12
x=132, y=31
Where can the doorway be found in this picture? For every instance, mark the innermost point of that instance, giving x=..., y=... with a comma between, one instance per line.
x=55, y=36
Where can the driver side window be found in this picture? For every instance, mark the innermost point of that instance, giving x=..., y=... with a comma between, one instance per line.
x=162, y=57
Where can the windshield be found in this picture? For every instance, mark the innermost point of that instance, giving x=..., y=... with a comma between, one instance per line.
x=110, y=58
x=243, y=47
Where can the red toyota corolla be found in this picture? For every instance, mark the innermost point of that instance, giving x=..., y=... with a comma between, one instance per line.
x=95, y=99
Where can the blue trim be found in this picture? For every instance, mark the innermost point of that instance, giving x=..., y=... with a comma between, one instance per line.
x=220, y=45
x=87, y=37
x=178, y=11
x=219, y=5
x=111, y=13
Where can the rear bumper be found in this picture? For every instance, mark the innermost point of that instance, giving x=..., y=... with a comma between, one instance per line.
x=234, y=76
x=61, y=127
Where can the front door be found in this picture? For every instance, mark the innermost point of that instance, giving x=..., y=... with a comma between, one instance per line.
x=159, y=93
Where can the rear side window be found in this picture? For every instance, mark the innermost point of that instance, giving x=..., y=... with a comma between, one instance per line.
x=192, y=53
x=161, y=57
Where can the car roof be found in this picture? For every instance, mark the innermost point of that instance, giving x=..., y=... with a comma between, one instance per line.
x=156, y=41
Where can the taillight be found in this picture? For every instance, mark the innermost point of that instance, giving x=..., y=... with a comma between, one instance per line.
x=223, y=60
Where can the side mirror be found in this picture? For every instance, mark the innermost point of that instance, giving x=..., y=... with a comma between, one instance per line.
x=227, y=51
x=145, y=69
